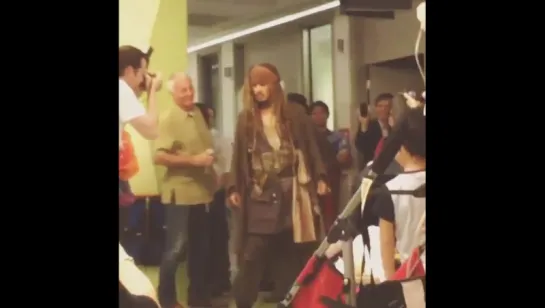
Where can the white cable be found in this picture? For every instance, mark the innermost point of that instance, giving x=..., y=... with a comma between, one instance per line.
x=416, y=53
x=421, y=15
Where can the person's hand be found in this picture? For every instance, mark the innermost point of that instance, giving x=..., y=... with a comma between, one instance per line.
x=156, y=82
x=391, y=121
x=322, y=188
x=343, y=156
x=234, y=199
x=364, y=123
x=205, y=159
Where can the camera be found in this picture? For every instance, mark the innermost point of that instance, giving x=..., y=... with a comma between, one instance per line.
x=364, y=110
x=146, y=83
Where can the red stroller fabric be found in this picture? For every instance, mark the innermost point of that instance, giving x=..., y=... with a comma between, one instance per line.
x=319, y=278
x=412, y=268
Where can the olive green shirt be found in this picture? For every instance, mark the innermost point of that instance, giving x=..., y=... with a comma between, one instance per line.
x=185, y=133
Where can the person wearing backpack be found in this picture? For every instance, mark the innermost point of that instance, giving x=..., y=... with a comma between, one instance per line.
x=400, y=214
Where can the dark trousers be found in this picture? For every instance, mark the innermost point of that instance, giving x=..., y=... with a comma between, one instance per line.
x=188, y=230
x=219, y=246
x=281, y=275
x=278, y=251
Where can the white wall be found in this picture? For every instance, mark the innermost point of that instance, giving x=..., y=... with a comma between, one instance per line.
x=283, y=49
x=387, y=39
x=193, y=72
x=391, y=80
x=321, y=64
x=226, y=123
x=196, y=34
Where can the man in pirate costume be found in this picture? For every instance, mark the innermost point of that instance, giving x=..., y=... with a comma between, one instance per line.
x=276, y=175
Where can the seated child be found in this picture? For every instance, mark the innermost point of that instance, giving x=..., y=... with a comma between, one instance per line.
x=400, y=214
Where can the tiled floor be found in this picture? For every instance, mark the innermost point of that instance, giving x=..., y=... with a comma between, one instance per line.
x=153, y=273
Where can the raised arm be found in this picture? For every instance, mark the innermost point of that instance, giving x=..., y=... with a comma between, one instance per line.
x=366, y=141
x=132, y=111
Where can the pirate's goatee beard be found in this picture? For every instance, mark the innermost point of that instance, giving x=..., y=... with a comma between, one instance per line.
x=263, y=104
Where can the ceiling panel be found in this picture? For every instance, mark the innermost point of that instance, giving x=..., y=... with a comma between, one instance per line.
x=241, y=8
x=205, y=20
x=213, y=17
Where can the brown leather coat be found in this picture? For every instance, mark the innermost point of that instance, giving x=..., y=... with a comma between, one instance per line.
x=303, y=133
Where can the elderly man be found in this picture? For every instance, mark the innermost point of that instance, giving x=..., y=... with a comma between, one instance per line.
x=184, y=147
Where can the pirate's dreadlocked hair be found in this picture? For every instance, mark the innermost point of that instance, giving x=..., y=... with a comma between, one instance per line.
x=278, y=100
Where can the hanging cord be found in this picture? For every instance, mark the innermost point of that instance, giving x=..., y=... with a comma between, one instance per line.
x=416, y=53
x=410, y=100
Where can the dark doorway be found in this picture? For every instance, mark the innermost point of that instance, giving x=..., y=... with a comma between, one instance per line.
x=209, y=83
x=403, y=63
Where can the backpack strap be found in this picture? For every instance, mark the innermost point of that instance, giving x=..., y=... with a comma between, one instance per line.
x=419, y=192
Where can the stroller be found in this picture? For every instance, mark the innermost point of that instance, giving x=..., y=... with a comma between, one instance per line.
x=320, y=285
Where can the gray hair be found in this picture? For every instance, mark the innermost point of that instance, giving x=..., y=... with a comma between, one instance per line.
x=176, y=76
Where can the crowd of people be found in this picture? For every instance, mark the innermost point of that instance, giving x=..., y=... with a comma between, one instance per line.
x=248, y=210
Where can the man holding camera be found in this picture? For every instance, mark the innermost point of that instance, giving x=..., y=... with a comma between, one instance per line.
x=134, y=79
x=371, y=131
x=184, y=147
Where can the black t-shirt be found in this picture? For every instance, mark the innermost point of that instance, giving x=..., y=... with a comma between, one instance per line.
x=362, y=220
x=383, y=206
